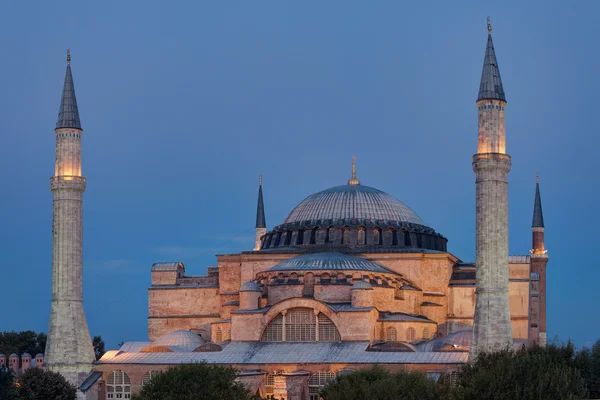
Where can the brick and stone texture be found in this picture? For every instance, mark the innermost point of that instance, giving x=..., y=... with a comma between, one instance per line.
x=69, y=349
x=492, y=322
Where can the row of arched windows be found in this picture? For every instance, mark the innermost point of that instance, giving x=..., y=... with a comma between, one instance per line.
x=118, y=385
x=315, y=383
x=411, y=334
x=285, y=238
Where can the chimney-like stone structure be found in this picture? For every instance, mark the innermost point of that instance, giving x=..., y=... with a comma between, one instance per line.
x=492, y=329
x=69, y=349
x=39, y=360
x=25, y=362
x=539, y=259
x=13, y=364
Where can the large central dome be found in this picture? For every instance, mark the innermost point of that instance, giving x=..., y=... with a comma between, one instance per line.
x=352, y=202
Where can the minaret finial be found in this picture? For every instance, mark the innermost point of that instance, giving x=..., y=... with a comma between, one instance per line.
x=489, y=25
x=68, y=56
x=537, y=177
x=260, y=179
x=353, y=180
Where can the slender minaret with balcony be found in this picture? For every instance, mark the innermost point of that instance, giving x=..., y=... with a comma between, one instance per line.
x=492, y=329
x=69, y=349
x=261, y=224
x=539, y=259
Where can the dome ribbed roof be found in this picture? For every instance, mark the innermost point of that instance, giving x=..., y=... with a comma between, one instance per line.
x=182, y=339
x=329, y=261
x=352, y=202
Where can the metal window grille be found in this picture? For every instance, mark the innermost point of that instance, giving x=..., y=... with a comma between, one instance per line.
x=376, y=236
x=148, y=376
x=392, y=334
x=300, y=325
x=270, y=384
x=118, y=386
x=327, y=330
x=318, y=380
x=411, y=334
x=274, y=331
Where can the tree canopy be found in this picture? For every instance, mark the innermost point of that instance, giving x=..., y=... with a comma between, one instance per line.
x=21, y=342
x=195, y=382
x=38, y=384
x=378, y=384
x=530, y=373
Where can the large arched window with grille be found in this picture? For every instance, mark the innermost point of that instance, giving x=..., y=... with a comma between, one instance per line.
x=148, y=376
x=301, y=325
x=316, y=382
x=118, y=386
x=391, y=334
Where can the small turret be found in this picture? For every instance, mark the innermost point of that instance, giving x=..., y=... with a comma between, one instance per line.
x=39, y=360
x=13, y=364
x=250, y=296
x=2, y=360
x=261, y=224
x=362, y=294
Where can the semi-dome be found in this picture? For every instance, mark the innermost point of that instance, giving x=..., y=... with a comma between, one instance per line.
x=180, y=339
x=349, y=202
x=329, y=261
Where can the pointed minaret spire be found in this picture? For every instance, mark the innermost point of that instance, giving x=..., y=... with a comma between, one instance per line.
x=260, y=208
x=261, y=224
x=490, y=87
x=353, y=181
x=68, y=115
x=538, y=217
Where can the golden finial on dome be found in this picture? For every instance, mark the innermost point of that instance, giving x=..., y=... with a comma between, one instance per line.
x=353, y=181
x=68, y=56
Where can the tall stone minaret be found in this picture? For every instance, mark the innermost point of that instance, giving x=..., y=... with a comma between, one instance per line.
x=69, y=349
x=261, y=225
x=539, y=259
x=492, y=327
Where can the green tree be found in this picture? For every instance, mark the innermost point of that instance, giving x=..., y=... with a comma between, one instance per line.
x=195, y=382
x=21, y=342
x=98, y=344
x=530, y=373
x=378, y=384
x=36, y=384
x=8, y=389
x=587, y=361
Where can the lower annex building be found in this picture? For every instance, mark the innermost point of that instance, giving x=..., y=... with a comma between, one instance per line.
x=351, y=278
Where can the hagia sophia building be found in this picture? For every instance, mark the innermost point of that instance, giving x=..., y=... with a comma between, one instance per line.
x=350, y=279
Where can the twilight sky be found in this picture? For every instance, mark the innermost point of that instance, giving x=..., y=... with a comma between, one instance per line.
x=184, y=104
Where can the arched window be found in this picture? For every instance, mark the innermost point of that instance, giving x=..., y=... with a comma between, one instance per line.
x=148, y=376
x=410, y=334
x=309, y=284
x=301, y=325
x=316, y=382
x=118, y=386
x=376, y=236
x=391, y=334
x=425, y=333
x=330, y=235
x=361, y=235
x=325, y=278
x=346, y=236
x=341, y=277
x=394, y=237
x=218, y=335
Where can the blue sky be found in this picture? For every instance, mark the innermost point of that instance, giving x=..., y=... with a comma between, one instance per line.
x=184, y=104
